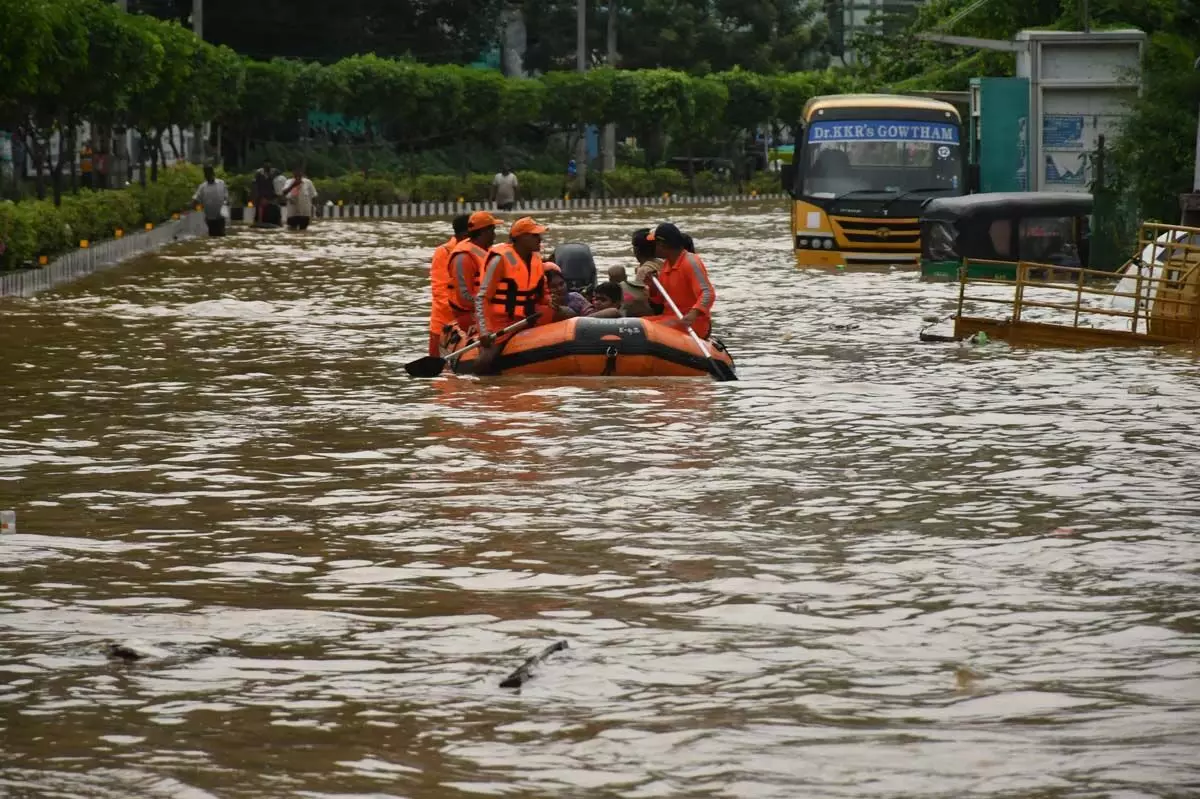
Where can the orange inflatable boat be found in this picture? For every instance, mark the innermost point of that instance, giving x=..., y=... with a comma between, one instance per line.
x=585, y=346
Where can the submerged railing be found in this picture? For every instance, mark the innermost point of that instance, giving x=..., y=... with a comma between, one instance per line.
x=98, y=256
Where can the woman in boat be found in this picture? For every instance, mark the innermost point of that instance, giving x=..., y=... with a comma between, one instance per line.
x=567, y=303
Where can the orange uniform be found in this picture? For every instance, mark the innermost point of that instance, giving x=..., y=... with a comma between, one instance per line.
x=511, y=290
x=465, y=266
x=686, y=280
x=440, y=313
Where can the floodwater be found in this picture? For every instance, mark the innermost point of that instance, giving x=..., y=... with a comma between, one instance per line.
x=870, y=568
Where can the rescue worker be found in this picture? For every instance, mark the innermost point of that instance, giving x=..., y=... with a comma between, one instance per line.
x=685, y=278
x=466, y=265
x=513, y=287
x=440, y=313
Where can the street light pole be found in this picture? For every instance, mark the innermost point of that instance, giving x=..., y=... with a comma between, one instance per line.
x=610, y=130
x=1189, y=204
x=581, y=150
x=198, y=130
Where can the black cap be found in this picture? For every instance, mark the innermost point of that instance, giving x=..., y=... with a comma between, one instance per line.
x=670, y=235
x=640, y=237
x=461, y=223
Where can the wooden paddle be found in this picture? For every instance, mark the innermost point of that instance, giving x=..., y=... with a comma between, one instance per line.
x=432, y=365
x=719, y=370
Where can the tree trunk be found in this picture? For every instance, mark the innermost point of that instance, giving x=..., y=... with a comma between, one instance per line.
x=56, y=170
x=155, y=152
x=691, y=169
x=39, y=146
x=72, y=148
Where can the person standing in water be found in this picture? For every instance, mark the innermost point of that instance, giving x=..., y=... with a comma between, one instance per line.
x=505, y=189
x=212, y=195
x=263, y=194
x=300, y=193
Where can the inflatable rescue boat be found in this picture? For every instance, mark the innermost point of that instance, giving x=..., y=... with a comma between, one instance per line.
x=586, y=346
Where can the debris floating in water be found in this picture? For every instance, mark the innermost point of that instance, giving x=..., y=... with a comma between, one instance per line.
x=524, y=672
x=8, y=521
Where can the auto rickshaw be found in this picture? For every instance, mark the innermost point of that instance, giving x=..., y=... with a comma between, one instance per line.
x=990, y=233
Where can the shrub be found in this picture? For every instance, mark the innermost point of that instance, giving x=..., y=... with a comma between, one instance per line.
x=764, y=183
x=437, y=188
x=539, y=185
x=628, y=182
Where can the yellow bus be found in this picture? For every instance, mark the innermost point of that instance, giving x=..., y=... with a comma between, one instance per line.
x=863, y=166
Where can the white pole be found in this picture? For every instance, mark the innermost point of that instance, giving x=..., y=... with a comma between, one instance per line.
x=581, y=151
x=198, y=130
x=1196, y=172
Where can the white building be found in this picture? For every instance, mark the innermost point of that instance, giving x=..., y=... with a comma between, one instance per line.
x=847, y=18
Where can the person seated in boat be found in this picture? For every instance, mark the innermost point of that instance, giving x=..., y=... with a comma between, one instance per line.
x=606, y=302
x=466, y=265
x=440, y=312
x=513, y=288
x=635, y=300
x=684, y=278
x=566, y=303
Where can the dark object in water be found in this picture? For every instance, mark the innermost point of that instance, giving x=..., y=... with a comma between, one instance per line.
x=524, y=672
x=131, y=651
x=578, y=266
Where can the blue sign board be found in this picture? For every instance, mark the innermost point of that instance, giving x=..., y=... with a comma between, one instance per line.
x=883, y=130
x=1062, y=131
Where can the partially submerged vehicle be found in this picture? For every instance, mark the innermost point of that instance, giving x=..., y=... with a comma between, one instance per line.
x=989, y=234
x=1156, y=301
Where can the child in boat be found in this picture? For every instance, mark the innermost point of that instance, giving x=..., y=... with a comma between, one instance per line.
x=606, y=303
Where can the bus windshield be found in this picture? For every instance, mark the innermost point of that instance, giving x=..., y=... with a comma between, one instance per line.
x=887, y=156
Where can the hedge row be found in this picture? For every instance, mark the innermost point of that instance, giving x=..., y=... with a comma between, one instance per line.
x=621, y=182
x=33, y=228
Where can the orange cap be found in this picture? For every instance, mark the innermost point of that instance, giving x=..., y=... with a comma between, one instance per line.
x=480, y=220
x=526, y=225
x=550, y=266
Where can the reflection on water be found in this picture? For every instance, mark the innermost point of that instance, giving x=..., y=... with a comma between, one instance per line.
x=869, y=568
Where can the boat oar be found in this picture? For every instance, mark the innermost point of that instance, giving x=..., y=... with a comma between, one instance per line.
x=718, y=369
x=432, y=365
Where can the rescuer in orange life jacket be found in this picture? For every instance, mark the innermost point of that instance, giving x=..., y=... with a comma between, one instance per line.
x=440, y=312
x=513, y=287
x=466, y=265
x=685, y=279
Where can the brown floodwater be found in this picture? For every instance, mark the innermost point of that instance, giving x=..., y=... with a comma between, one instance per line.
x=870, y=568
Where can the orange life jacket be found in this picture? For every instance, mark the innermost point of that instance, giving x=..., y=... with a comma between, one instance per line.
x=511, y=290
x=686, y=280
x=440, y=313
x=465, y=266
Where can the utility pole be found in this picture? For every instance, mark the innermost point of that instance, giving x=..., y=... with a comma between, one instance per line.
x=581, y=150
x=1189, y=204
x=198, y=130
x=610, y=130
